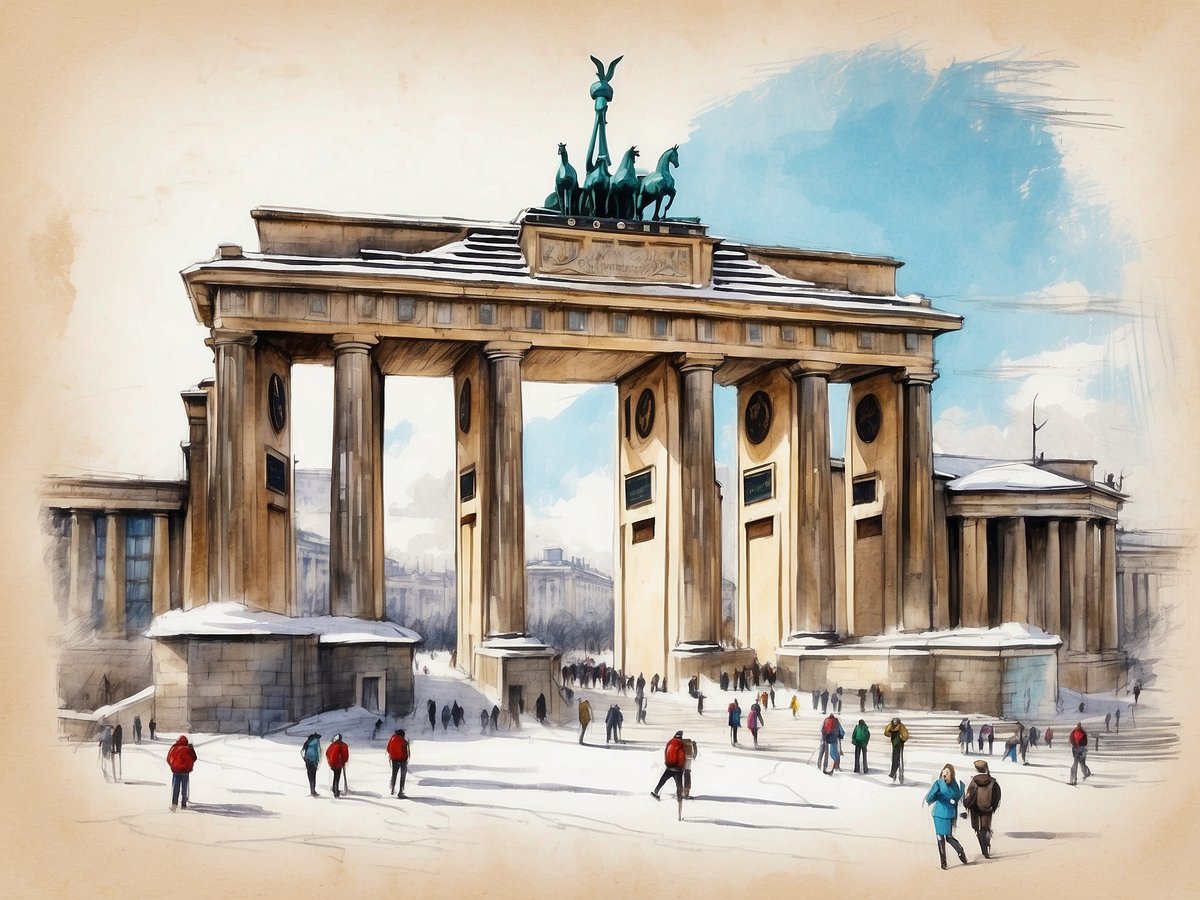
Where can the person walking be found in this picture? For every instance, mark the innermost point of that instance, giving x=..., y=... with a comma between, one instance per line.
x=375, y=730
x=397, y=751
x=431, y=712
x=943, y=796
x=1048, y=737
x=860, y=737
x=675, y=758
x=612, y=724
x=754, y=721
x=137, y=729
x=106, y=752
x=794, y=706
x=690, y=752
x=585, y=717
x=153, y=726
x=495, y=718
x=1137, y=691
x=1117, y=721
x=539, y=708
x=180, y=759
x=735, y=721
x=311, y=754
x=445, y=717
x=337, y=754
x=117, y=738
x=1079, y=748
x=862, y=699
x=831, y=733
x=982, y=798
x=898, y=734
x=986, y=730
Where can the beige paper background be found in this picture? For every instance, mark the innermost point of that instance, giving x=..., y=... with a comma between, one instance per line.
x=58, y=57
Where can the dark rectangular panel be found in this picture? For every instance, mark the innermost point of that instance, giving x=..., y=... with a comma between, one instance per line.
x=276, y=474
x=643, y=531
x=466, y=485
x=758, y=485
x=639, y=488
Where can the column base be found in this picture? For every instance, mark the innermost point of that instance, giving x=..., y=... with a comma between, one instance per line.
x=1093, y=673
x=513, y=669
x=708, y=658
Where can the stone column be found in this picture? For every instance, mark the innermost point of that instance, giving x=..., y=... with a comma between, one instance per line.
x=504, y=605
x=1107, y=594
x=916, y=560
x=356, y=488
x=234, y=457
x=1078, y=581
x=1053, y=579
x=114, y=575
x=160, y=566
x=1092, y=582
x=1014, y=586
x=815, y=574
x=82, y=567
x=196, y=524
x=974, y=591
x=700, y=615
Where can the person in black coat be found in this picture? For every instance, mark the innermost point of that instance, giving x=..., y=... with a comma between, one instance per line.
x=431, y=709
x=539, y=708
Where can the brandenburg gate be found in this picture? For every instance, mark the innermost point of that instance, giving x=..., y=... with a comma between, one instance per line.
x=591, y=287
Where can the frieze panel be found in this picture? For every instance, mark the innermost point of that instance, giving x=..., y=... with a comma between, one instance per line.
x=623, y=260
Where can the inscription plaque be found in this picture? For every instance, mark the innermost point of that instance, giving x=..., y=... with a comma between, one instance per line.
x=626, y=260
x=276, y=473
x=639, y=488
x=758, y=485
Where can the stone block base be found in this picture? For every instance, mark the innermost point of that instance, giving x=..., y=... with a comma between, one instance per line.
x=994, y=682
x=1093, y=673
x=513, y=678
x=707, y=660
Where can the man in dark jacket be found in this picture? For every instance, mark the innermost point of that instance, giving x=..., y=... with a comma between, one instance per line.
x=675, y=756
x=982, y=798
x=612, y=724
x=311, y=753
x=539, y=708
x=860, y=738
x=181, y=757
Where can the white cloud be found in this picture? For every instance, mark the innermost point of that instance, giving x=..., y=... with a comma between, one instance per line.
x=581, y=523
x=545, y=400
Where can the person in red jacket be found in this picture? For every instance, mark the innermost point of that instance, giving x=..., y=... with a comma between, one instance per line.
x=1079, y=748
x=337, y=754
x=397, y=751
x=181, y=757
x=675, y=758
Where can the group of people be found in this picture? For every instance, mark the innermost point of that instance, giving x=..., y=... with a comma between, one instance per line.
x=111, y=740
x=750, y=676
x=981, y=798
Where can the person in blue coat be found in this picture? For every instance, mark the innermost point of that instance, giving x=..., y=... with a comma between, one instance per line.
x=735, y=720
x=944, y=795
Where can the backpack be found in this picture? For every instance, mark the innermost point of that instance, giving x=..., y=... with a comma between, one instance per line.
x=983, y=797
x=830, y=726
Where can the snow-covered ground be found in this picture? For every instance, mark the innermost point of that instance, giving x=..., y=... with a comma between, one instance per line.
x=532, y=812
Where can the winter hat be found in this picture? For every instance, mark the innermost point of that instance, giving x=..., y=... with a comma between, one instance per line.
x=679, y=734
x=313, y=735
x=981, y=766
x=337, y=737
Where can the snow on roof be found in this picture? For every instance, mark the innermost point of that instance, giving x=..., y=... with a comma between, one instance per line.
x=1013, y=476
x=512, y=645
x=236, y=620
x=102, y=712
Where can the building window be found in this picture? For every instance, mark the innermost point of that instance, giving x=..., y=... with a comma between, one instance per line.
x=442, y=314
x=139, y=532
x=661, y=326
x=620, y=323
x=863, y=491
x=787, y=333
x=753, y=333
x=487, y=314
x=537, y=319
x=866, y=340
x=98, y=586
x=406, y=309
x=704, y=330
x=822, y=336
x=911, y=341
x=576, y=320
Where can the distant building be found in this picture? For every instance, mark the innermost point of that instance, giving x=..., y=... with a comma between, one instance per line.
x=571, y=586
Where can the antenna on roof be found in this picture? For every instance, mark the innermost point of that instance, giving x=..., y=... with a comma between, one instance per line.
x=1036, y=426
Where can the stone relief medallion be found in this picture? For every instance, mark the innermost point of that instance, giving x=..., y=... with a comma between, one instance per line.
x=868, y=418
x=645, y=413
x=758, y=417
x=464, y=407
x=277, y=402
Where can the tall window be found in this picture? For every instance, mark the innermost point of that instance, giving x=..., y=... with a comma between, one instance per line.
x=139, y=532
x=98, y=583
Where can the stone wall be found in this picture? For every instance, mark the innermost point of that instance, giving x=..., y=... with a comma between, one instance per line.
x=1093, y=673
x=171, y=684
x=342, y=664
x=83, y=667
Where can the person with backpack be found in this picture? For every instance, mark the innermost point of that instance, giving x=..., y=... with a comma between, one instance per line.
x=675, y=757
x=397, y=751
x=860, y=738
x=337, y=755
x=311, y=754
x=180, y=758
x=831, y=733
x=735, y=720
x=1079, y=748
x=982, y=798
x=754, y=722
x=898, y=734
x=944, y=795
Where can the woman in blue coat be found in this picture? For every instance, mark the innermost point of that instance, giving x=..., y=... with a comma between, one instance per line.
x=944, y=795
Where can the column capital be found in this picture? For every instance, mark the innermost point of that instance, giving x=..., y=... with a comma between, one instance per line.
x=807, y=367
x=224, y=336
x=687, y=361
x=506, y=349
x=924, y=377
x=352, y=342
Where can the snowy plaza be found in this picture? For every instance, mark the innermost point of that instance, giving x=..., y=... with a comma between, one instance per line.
x=532, y=812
